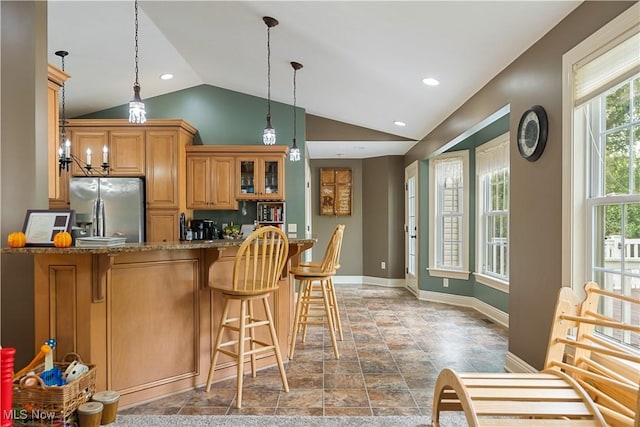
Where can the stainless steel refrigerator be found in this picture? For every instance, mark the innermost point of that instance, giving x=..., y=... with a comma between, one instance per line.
x=111, y=206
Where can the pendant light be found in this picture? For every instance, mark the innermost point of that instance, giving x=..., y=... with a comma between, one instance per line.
x=269, y=134
x=137, y=113
x=64, y=152
x=294, y=151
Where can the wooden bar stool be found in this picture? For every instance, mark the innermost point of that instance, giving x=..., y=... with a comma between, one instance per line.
x=316, y=303
x=257, y=269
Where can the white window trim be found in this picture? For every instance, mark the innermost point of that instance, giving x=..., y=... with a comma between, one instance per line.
x=485, y=279
x=574, y=221
x=492, y=282
x=434, y=271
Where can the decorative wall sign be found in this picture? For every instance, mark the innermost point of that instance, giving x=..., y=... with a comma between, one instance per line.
x=335, y=191
x=40, y=226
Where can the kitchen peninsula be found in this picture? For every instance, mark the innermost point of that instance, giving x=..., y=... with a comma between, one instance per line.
x=144, y=313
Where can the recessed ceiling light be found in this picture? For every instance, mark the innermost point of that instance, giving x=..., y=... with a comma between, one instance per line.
x=430, y=81
x=399, y=123
x=166, y=76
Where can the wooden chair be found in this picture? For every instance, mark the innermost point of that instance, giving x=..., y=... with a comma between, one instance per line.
x=588, y=378
x=333, y=301
x=316, y=303
x=257, y=269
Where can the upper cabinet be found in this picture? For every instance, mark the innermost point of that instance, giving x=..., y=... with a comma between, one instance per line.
x=210, y=178
x=220, y=175
x=261, y=177
x=125, y=149
x=58, y=182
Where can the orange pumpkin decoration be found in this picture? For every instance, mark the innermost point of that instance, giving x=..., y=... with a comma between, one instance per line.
x=62, y=240
x=17, y=239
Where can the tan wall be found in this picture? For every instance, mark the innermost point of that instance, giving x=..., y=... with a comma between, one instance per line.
x=23, y=157
x=536, y=198
x=351, y=255
x=383, y=220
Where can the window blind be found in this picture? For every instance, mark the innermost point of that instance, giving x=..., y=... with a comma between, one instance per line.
x=449, y=171
x=602, y=71
x=492, y=157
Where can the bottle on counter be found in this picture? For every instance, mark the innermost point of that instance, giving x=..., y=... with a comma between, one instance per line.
x=183, y=227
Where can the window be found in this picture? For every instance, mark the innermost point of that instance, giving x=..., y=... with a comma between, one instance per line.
x=449, y=216
x=601, y=172
x=492, y=253
x=613, y=204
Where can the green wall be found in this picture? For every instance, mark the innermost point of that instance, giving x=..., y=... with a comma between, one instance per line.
x=225, y=117
x=468, y=287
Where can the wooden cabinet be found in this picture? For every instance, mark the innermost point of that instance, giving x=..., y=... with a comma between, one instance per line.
x=163, y=169
x=58, y=182
x=162, y=225
x=126, y=149
x=210, y=180
x=126, y=153
x=166, y=178
x=220, y=175
x=261, y=177
x=156, y=151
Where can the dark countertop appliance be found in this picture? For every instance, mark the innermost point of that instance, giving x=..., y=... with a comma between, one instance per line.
x=204, y=229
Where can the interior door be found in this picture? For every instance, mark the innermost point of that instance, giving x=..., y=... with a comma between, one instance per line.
x=411, y=227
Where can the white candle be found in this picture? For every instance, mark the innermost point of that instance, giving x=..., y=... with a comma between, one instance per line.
x=60, y=152
x=67, y=149
x=88, y=156
x=105, y=155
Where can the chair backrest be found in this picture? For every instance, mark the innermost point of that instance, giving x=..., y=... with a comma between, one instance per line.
x=331, y=259
x=260, y=260
x=605, y=369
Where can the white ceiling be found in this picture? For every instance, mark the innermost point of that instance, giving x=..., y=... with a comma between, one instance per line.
x=364, y=61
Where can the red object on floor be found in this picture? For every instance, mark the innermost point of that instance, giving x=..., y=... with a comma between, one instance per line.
x=6, y=379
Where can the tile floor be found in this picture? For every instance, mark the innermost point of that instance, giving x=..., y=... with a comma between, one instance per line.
x=394, y=346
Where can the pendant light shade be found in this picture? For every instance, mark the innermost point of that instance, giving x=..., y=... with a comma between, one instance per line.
x=137, y=113
x=269, y=134
x=294, y=151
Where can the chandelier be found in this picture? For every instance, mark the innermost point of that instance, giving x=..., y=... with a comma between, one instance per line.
x=65, y=157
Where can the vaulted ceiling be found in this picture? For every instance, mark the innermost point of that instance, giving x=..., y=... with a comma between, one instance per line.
x=364, y=61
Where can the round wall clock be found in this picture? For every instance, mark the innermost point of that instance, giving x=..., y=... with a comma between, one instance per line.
x=532, y=133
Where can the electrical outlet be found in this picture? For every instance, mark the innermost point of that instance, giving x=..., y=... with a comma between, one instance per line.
x=445, y=282
x=383, y=265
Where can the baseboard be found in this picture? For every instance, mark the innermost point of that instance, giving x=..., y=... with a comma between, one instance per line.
x=368, y=280
x=498, y=316
x=514, y=364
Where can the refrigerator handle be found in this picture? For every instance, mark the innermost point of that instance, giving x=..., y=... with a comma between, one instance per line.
x=97, y=216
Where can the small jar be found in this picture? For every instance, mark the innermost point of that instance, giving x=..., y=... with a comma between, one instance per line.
x=90, y=414
x=109, y=400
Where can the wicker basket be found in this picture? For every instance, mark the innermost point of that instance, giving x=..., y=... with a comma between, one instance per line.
x=34, y=403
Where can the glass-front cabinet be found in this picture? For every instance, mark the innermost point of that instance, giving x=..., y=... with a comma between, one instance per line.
x=260, y=178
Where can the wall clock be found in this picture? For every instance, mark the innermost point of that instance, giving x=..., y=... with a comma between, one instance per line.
x=532, y=133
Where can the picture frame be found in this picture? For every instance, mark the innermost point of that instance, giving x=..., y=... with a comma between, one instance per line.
x=41, y=226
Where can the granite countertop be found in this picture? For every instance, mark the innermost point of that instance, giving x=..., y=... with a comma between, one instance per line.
x=141, y=247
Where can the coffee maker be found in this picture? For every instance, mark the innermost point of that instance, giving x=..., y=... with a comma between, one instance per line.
x=204, y=229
